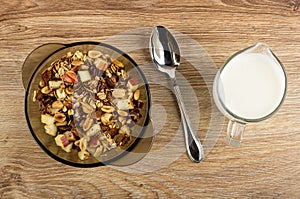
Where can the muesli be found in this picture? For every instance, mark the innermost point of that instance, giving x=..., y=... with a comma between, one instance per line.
x=89, y=103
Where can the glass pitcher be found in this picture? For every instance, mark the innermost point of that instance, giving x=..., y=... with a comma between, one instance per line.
x=249, y=87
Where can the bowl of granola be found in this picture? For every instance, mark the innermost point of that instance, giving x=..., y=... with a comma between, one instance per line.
x=87, y=103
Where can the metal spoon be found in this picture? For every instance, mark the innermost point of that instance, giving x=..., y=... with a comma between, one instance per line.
x=165, y=54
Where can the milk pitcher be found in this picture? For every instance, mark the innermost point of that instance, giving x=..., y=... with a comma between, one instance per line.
x=249, y=87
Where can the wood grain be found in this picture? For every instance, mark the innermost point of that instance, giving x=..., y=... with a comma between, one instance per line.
x=268, y=163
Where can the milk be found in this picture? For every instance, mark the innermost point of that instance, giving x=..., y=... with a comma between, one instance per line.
x=251, y=85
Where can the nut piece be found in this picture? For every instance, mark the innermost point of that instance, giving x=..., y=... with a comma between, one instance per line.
x=57, y=104
x=101, y=96
x=60, y=117
x=60, y=93
x=82, y=143
x=118, y=63
x=61, y=71
x=46, y=90
x=77, y=62
x=136, y=95
x=69, y=90
x=64, y=123
x=70, y=112
x=105, y=118
x=42, y=83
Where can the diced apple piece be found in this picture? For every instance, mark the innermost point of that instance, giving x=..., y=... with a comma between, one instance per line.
x=51, y=129
x=58, y=140
x=133, y=84
x=68, y=148
x=47, y=119
x=124, y=104
x=64, y=140
x=84, y=75
x=55, y=84
x=101, y=64
x=83, y=155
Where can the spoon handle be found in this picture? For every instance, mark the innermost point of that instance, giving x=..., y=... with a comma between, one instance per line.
x=192, y=144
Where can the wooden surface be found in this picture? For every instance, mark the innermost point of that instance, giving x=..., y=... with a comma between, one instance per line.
x=266, y=165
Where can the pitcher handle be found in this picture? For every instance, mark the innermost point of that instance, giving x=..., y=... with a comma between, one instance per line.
x=235, y=132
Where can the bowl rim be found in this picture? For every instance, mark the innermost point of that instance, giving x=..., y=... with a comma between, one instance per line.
x=147, y=117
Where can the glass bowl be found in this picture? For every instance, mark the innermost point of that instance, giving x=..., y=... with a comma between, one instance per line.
x=141, y=132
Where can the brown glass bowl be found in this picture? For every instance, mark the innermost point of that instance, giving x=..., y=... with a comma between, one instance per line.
x=39, y=60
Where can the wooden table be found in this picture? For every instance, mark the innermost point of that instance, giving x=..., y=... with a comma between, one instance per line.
x=266, y=165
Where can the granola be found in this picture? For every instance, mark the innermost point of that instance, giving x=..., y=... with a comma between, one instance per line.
x=88, y=103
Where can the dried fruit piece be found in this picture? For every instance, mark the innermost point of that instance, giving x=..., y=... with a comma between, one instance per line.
x=70, y=77
x=84, y=75
x=47, y=119
x=46, y=75
x=124, y=104
x=51, y=129
x=55, y=84
x=101, y=64
x=133, y=84
x=62, y=141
